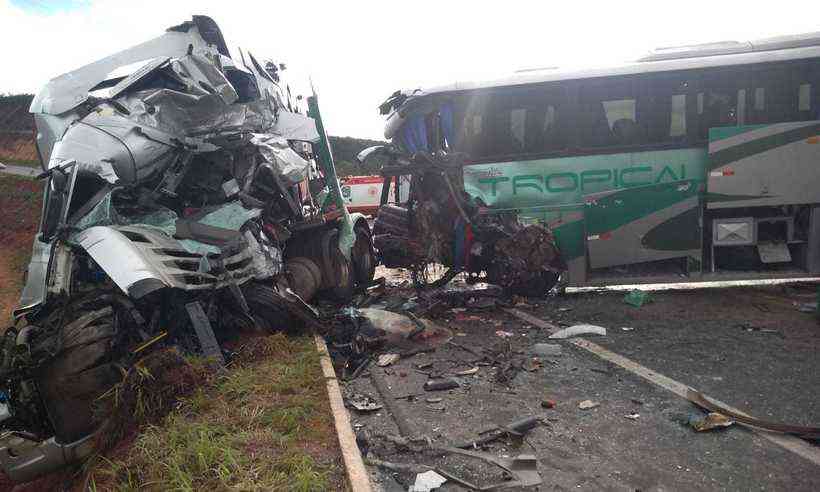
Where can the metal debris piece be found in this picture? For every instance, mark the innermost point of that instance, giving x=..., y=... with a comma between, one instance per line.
x=632, y=416
x=363, y=403
x=433, y=400
x=807, y=307
x=627, y=328
x=517, y=427
x=588, y=404
x=576, y=330
x=798, y=430
x=708, y=422
x=523, y=468
x=387, y=359
x=505, y=334
x=441, y=384
x=467, y=372
x=427, y=481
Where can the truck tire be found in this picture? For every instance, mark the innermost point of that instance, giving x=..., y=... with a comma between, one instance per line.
x=363, y=256
x=84, y=367
x=337, y=270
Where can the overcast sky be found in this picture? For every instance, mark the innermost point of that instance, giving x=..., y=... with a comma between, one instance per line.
x=359, y=52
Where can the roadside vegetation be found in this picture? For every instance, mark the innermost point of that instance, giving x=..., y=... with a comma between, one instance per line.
x=263, y=424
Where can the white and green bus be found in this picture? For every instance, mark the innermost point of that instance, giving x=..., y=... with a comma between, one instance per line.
x=693, y=163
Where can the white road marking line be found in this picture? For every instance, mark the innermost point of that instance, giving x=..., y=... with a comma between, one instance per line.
x=790, y=443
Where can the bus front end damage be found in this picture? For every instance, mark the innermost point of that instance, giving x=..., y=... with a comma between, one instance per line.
x=441, y=231
x=183, y=204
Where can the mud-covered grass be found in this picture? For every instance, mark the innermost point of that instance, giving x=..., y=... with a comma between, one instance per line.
x=262, y=424
x=20, y=202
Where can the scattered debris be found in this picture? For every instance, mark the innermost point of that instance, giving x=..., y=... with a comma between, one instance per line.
x=532, y=364
x=637, y=298
x=523, y=468
x=548, y=403
x=433, y=400
x=504, y=334
x=397, y=467
x=574, y=331
x=565, y=309
x=516, y=428
x=708, y=422
x=711, y=406
x=468, y=372
x=387, y=359
x=363, y=403
x=441, y=384
x=546, y=349
x=807, y=307
x=427, y=481
x=632, y=416
x=627, y=328
x=588, y=405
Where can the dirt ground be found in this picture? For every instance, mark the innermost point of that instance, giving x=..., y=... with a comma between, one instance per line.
x=749, y=347
x=20, y=202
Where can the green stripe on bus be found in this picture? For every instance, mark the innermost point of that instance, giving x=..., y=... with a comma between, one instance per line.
x=741, y=151
x=724, y=132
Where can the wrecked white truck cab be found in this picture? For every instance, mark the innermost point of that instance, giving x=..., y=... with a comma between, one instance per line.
x=187, y=199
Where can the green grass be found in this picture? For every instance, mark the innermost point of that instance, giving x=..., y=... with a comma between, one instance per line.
x=21, y=162
x=263, y=425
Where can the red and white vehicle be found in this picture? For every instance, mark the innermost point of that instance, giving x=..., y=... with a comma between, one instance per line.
x=363, y=193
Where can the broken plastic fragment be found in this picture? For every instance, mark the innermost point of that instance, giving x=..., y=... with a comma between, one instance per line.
x=711, y=421
x=427, y=481
x=588, y=404
x=574, y=331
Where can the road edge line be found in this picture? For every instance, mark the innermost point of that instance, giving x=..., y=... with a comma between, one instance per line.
x=790, y=443
x=357, y=475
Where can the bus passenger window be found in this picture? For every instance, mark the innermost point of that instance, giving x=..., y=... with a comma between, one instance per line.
x=716, y=108
x=677, y=117
x=804, y=97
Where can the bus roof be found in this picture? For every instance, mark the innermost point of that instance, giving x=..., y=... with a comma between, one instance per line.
x=728, y=53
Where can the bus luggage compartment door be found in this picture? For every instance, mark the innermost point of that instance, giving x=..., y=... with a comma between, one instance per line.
x=644, y=224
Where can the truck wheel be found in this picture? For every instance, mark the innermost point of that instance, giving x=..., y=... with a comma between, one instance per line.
x=336, y=268
x=273, y=312
x=84, y=368
x=363, y=256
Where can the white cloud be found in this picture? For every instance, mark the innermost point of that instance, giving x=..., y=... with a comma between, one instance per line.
x=359, y=52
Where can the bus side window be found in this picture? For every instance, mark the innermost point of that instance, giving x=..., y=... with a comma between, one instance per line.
x=609, y=115
x=717, y=103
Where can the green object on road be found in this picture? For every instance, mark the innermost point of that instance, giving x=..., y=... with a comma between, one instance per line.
x=637, y=298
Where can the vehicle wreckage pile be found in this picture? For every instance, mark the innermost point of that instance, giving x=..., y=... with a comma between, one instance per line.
x=186, y=202
x=189, y=200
